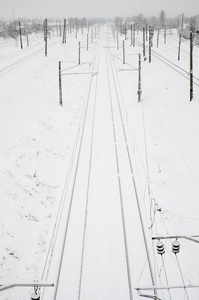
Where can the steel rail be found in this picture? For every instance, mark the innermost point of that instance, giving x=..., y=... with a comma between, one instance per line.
x=88, y=181
x=20, y=52
x=65, y=189
x=134, y=183
x=18, y=63
x=73, y=187
x=119, y=184
x=172, y=65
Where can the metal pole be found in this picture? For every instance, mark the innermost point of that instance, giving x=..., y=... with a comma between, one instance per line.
x=125, y=32
x=92, y=36
x=134, y=35
x=158, y=34
x=149, y=43
x=182, y=22
x=64, y=33
x=146, y=33
x=45, y=36
x=131, y=34
x=27, y=40
x=20, y=35
x=60, y=85
x=87, y=42
x=79, y=51
x=139, y=78
x=144, y=42
x=191, y=65
x=180, y=35
x=165, y=34
x=117, y=41
x=123, y=53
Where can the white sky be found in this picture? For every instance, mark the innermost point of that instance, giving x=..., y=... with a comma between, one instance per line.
x=96, y=8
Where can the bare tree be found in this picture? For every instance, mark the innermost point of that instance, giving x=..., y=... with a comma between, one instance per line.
x=162, y=18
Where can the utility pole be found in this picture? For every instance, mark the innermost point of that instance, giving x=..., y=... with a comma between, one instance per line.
x=79, y=51
x=182, y=25
x=91, y=35
x=165, y=33
x=82, y=27
x=45, y=36
x=64, y=33
x=139, y=78
x=125, y=32
x=146, y=33
x=131, y=34
x=158, y=34
x=27, y=40
x=150, y=38
x=144, y=42
x=180, y=35
x=20, y=35
x=191, y=66
x=123, y=53
x=134, y=35
x=76, y=28
x=117, y=41
x=60, y=29
x=60, y=85
x=87, y=43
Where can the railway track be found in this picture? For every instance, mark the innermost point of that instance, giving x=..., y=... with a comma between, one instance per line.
x=172, y=65
x=16, y=63
x=98, y=254
x=175, y=67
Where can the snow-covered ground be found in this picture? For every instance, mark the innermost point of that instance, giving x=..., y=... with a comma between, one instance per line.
x=38, y=149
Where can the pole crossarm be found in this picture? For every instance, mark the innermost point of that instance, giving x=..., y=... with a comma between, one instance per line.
x=190, y=238
x=7, y=286
x=79, y=73
x=88, y=62
x=167, y=287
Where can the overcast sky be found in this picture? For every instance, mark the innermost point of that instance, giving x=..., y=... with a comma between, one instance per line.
x=95, y=8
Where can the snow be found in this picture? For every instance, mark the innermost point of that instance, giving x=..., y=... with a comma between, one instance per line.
x=39, y=148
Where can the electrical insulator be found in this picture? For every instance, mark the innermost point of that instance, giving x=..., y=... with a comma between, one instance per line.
x=176, y=247
x=35, y=296
x=160, y=248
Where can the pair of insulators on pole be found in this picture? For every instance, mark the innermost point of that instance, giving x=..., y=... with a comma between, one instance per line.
x=161, y=249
